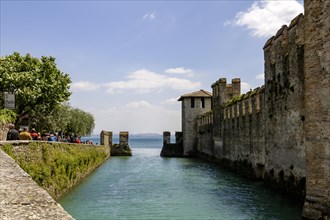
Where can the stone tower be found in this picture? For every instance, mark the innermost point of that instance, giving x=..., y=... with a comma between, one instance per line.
x=223, y=92
x=193, y=105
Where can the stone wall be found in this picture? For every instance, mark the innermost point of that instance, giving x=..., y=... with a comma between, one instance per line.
x=123, y=137
x=205, y=140
x=3, y=132
x=205, y=134
x=317, y=108
x=22, y=198
x=36, y=173
x=118, y=149
x=106, y=138
x=243, y=140
x=223, y=92
x=260, y=134
x=281, y=133
x=55, y=166
x=172, y=149
x=284, y=116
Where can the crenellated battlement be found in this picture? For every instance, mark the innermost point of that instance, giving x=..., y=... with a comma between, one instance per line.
x=245, y=104
x=296, y=25
x=224, y=91
x=284, y=60
x=205, y=119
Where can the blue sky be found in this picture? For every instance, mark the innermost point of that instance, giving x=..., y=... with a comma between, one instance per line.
x=130, y=60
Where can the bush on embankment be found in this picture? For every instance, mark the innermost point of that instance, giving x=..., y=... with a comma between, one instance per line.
x=57, y=167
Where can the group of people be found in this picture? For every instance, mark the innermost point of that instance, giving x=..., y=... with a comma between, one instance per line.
x=24, y=134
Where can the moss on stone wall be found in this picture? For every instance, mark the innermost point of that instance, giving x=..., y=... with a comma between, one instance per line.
x=121, y=150
x=57, y=167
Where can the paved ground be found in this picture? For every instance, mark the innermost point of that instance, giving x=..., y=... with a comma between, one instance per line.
x=22, y=198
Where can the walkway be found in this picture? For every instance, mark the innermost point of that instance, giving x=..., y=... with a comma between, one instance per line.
x=22, y=198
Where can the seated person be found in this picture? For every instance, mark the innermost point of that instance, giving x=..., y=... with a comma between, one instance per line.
x=12, y=134
x=52, y=137
x=24, y=135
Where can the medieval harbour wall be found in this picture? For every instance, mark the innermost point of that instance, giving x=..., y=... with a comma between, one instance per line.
x=260, y=134
x=279, y=133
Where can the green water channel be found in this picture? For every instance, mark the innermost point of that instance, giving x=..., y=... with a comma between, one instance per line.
x=147, y=186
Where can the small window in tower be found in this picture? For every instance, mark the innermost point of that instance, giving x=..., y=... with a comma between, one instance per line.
x=192, y=102
x=203, y=102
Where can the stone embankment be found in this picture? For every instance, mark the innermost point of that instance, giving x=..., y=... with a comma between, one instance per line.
x=56, y=167
x=22, y=198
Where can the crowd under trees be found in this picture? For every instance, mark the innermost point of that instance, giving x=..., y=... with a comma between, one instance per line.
x=41, y=96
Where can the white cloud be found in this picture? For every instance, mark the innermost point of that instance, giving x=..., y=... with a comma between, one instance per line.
x=138, y=104
x=149, y=16
x=138, y=117
x=264, y=18
x=84, y=86
x=171, y=101
x=180, y=70
x=146, y=81
x=245, y=87
x=260, y=76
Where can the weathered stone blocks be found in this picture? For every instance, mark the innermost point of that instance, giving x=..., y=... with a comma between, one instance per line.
x=172, y=149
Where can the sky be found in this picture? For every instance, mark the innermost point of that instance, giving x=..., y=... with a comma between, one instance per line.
x=129, y=61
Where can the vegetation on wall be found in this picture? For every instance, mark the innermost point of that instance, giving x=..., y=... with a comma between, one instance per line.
x=57, y=167
x=239, y=98
x=7, y=116
x=209, y=113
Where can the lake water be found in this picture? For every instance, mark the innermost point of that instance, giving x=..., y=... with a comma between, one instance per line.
x=147, y=186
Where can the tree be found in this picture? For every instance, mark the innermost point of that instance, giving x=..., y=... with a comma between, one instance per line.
x=66, y=119
x=57, y=120
x=39, y=86
x=81, y=122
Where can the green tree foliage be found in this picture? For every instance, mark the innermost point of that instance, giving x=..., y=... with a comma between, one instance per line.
x=41, y=89
x=66, y=119
x=39, y=85
x=80, y=122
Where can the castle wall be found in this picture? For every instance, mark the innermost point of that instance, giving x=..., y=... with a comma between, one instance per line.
x=205, y=131
x=285, y=167
x=243, y=148
x=317, y=108
x=260, y=134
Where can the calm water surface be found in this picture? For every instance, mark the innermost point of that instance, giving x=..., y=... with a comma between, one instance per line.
x=147, y=186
